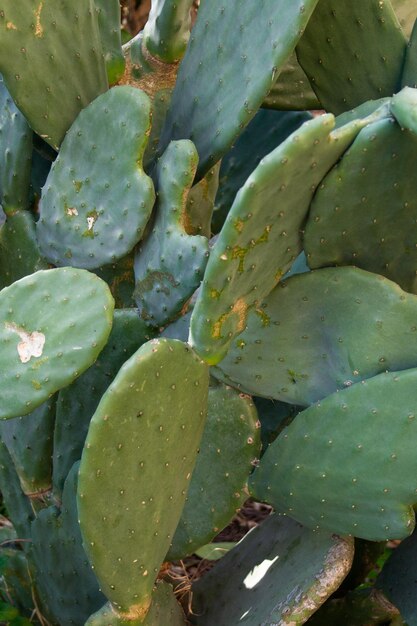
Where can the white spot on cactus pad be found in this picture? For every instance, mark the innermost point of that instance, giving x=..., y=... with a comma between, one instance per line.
x=72, y=211
x=258, y=572
x=31, y=345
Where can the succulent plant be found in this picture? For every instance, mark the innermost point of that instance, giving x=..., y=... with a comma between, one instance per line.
x=153, y=379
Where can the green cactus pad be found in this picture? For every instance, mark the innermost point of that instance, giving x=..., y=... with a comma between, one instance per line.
x=97, y=199
x=229, y=449
x=111, y=38
x=53, y=325
x=352, y=52
x=19, y=250
x=261, y=236
x=223, y=81
x=17, y=504
x=15, y=154
x=279, y=573
x=332, y=469
x=350, y=325
x=168, y=28
x=78, y=402
x=139, y=455
x=292, y=90
x=29, y=442
x=52, y=61
x=169, y=264
x=265, y=132
x=64, y=580
x=352, y=214
x=398, y=579
x=164, y=611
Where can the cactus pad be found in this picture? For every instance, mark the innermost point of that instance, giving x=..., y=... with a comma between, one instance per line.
x=229, y=448
x=139, y=455
x=222, y=83
x=279, y=573
x=350, y=325
x=164, y=611
x=111, y=38
x=66, y=584
x=169, y=264
x=292, y=90
x=168, y=28
x=29, y=442
x=53, y=325
x=352, y=214
x=261, y=236
x=52, y=61
x=331, y=469
x=398, y=579
x=352, y=52
x=19, y=250
x=77, y=403
x=264, y=133
x=15, y=154
x=97, y=199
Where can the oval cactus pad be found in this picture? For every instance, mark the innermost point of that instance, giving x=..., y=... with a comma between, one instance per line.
x=348, y=464
x=349, y=325
x=97, y=199
x=53, y=325
x=138, y=458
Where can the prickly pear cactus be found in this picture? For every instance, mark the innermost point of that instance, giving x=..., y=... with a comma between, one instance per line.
x=208, y=310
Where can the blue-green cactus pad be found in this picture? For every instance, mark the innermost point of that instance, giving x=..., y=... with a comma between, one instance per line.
x=52, y=61
x=15, y=154
x=352, y=52
x=139, y=455
x=29, y=442
x=53, y=325
x=169, y=263
x=229, y=449
x=167, y=30
x=364, y=212
x=349, y=325
x=261, y=236
x=348, y=464
x=279, y=573
x=234, y=53
x=97, y=199
x=78, y=402
x=65, y=582
x=19, y=250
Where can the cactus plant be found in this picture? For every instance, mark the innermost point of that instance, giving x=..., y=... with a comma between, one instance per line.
x=129, y=341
